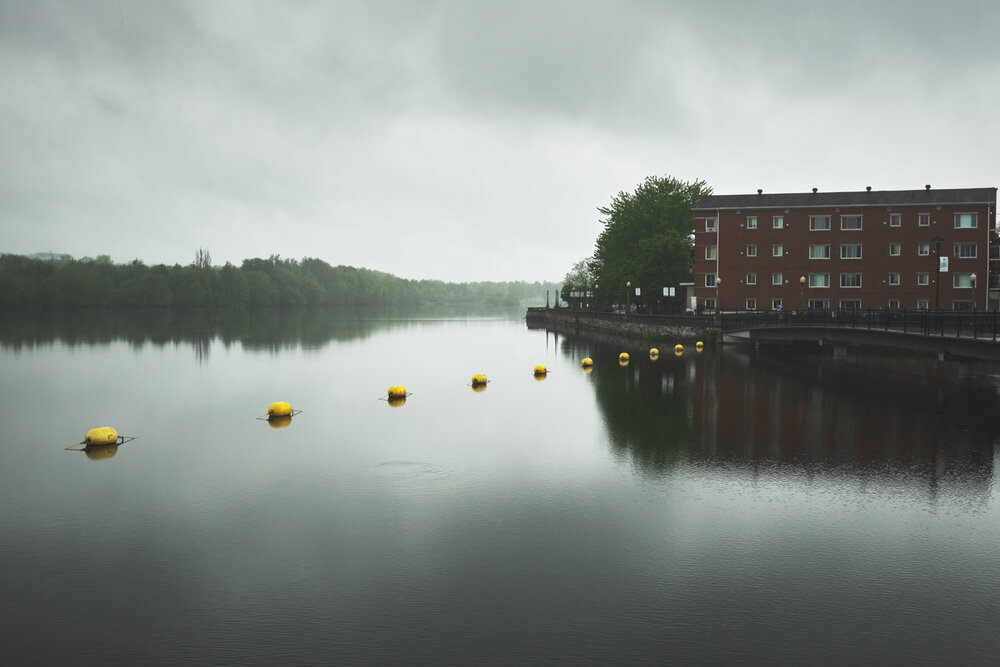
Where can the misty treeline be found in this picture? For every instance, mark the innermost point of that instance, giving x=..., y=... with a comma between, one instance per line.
x=27, y=282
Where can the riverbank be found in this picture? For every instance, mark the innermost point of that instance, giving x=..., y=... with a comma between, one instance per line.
x=671, y=328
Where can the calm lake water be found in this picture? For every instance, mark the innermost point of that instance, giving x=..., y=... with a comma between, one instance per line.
x=721, y=507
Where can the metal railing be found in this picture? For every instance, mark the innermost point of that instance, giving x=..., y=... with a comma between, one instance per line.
x=982, y=325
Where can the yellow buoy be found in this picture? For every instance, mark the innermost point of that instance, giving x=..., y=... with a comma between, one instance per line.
x=541, y=370
x=623, y=356
x=100, y=452
x=102, y=435
x=587, y=362
x=653, y=353
x=678, y=348
x=479, y=379
x=279, y=409
x=397, y=391
x=678, y=353
x=699, y=346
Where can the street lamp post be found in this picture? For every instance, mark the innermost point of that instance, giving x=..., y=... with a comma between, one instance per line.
x=973, y=279
x=802, y=290
x=628, y=297
x=718, y=295
x=937, y=274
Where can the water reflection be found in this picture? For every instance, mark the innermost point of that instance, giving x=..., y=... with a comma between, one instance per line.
x=929, y=424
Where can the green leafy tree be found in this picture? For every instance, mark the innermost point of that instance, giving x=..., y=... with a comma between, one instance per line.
x=647, y=237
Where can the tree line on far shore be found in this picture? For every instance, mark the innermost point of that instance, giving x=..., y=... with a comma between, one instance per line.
x=27, y=282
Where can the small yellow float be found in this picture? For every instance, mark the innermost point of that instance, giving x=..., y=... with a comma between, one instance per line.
x=396, y=391
x=479, y=379
x=654, y=353
x=699, y=346
x=100, y=443
x=279, y=414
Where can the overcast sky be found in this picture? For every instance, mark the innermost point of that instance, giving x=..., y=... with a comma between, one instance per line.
x=463, y=140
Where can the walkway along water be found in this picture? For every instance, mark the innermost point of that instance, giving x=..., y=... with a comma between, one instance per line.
x=972, y=334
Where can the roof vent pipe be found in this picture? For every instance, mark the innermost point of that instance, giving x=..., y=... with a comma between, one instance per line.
x=759, y=191
x=927, y=187
x=815, y=190
x=869, y=188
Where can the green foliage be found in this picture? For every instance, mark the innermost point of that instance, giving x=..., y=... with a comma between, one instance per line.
x=38, y=283
x=647, y=237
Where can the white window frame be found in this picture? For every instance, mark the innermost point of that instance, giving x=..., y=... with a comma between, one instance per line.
x=752, y=222
x=848, y=304
x=777, y=250
x=960, y=255
x=710, y=224
x=778, y=222
x=923, y=304
x=894, y=278
x=751, y=278
x=825, y=247
x=898, y=247
x=924, y=219
x=776, y=303
x=751, y=250
x=895, y=219
x=973, y=217
x=923, y=279
x=850, y=274
x=814, y=282
x=814, y=223
x=893, y=304
x=962, y=280
x=821, y=304
x=845, y=246
x=711, y=251
x=845, y=218
x=709, y=280
x=751, y=303
x=923, y=249
x=776, y=278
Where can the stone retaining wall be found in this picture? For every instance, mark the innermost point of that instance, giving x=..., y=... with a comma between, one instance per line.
x=682, y=328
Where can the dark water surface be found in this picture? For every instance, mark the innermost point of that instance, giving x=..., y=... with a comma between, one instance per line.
x=716, y=508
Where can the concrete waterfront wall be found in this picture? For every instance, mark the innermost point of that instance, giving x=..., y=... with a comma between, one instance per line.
x=686, y=328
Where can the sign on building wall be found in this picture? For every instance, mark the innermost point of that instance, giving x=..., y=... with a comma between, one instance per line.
x=637, y=291
x=943, y=263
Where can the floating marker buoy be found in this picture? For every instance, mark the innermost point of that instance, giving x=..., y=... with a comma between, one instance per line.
x=699, y=346
x=279, y=409
x=397, y=391
x=587, y=362
x=396, y=401
x=623, y=356
x=102, y=435
x=678, y=353
x=479, y=379
x=541, y=370
x=653, y=353
x=678, y=348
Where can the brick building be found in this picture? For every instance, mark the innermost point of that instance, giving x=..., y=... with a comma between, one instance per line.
x=868, y=249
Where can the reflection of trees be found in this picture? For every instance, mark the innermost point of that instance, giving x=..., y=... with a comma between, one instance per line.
x=263, y=328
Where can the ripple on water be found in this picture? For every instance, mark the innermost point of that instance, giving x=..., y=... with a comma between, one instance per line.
x=410, y=476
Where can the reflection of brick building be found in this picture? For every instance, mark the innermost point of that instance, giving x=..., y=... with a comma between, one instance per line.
x=870, y=249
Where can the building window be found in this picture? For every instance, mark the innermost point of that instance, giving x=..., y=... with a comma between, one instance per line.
x=709, y=280
x=709, y=304
x=850, y=304
x=752, y=278
x=752, y=223
x=965, y=221
x=776, y=278
x=710, y=252
x=751, y=250
x=820, y=304
x=923, y=278
x=778, y=222
x=751, y=304
x=893, y=278
x=895, y=219
x=850, y=222
x=819, y=223
x=776, y=304
x=894, y=249
x=965, y=250
x=961, y=280
x=777, y=250
x=921, y=304
x=850, y=280
x=924, y=219
x=894, y=304
x=850, y=251
x=819, y=280
x=819, y=251
x=709, y=224
x=923, y=249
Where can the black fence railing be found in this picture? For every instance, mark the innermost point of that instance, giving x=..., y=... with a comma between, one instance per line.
x=982, y=324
